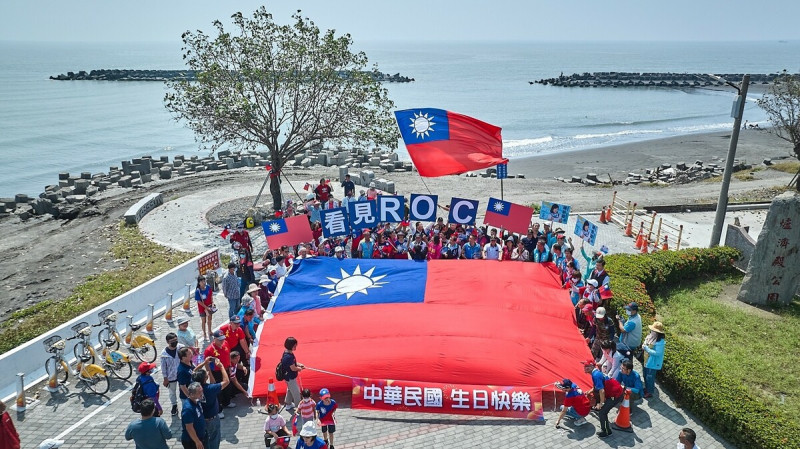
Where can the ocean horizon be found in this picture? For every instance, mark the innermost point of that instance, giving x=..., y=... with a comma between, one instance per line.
x=47, y=126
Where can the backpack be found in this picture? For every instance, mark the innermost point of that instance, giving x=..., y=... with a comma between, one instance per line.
x=137, y=395
x=279, y=371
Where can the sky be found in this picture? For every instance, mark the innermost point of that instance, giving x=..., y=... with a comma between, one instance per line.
x=414, y=20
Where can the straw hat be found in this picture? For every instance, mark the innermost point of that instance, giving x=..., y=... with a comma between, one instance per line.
x=252, y=288
x=657, y=326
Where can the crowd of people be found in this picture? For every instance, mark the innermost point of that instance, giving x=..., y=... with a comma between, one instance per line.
x=216, y=368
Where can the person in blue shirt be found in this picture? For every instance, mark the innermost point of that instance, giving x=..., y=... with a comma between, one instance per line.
x=366, y=246
x=654, y=345
x=249, y=322
x=210, y=407
x=149, y=432
x=149, y=385
x=630, y=379
x=606, y=399
x=193, y=424
x=540, y=254
x=309, y=439
x=471, y=249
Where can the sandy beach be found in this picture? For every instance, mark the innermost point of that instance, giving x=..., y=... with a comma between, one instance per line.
x=47, y=258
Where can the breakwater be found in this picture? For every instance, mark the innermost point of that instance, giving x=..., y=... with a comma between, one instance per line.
x=72, y=196
x=178, y=75
x=645, y=79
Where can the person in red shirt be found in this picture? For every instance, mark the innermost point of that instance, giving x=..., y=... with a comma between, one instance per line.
x=9, y=438
x=235, y=338
x=220, y=350
x=576, y=404
x=323, y=190
x=243, y=237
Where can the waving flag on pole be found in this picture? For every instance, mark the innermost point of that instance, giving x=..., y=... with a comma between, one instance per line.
x=288, y=231
x=445, y=143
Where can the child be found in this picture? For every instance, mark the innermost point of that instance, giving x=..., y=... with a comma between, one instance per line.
x=306, y=410
x=275, y=429
x=326, y=408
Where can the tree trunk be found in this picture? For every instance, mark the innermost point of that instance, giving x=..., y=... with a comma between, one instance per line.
x=275, y=181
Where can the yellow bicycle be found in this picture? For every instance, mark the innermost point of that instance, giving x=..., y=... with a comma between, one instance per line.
x=92, y=376
x=115, y=362
x=143, y=347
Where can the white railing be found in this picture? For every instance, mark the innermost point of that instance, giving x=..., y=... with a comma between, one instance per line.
x=30, y=357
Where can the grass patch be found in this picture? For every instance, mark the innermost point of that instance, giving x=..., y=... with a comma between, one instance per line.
x=756, y=351
x=143, y=261
x=791, y=167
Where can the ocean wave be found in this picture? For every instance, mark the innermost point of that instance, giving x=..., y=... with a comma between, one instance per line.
x=626, y=132
x=526, y=142
x=700, y=128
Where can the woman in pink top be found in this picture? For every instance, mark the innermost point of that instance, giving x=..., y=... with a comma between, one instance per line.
x=435, y=248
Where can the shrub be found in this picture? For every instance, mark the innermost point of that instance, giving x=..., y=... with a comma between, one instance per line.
x=714, y=397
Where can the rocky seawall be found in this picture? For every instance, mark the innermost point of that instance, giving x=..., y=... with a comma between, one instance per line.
x=72, y=196
x=671, y=80
x=167, y=75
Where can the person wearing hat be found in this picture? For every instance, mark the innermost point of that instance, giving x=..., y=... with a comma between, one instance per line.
x=235, y=338
x=339, y=253
x=326, y=416
x=309, y=438
x=149, y=431
x=186, y=335
x=362, y=195
x=251, y=298
x=313, y=210
x=607, y=394
x=591, y=294
x=604, y=330
x=219, y=350
x=372, y=192
x=243, y=237
x=231, y=290
x=654, y=346
x=630, y=332
x=576, y=403
x=149, y=385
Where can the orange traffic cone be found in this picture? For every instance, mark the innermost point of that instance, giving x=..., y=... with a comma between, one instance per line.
x=603, y=216
x=629, y=228
x=645, y=245
x=665, y=245
x=640, y=236
x=272, y=395
x=623, y=421
x=608, y=212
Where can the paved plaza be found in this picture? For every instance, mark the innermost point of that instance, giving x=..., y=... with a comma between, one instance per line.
x=84, y=420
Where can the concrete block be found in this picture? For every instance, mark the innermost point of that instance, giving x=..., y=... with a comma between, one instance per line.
x=63, y=175
x=86, y=175
x=92, y=190
x=165, y=173
x=306, y=162
x=177, y=162
x=374, y=161
x=103, y=185
x=200, y=168
x=135, y=174
x=146, y=178
x=72, y=199
x=342, y=172
x=22, y=198
x=124, y=181
x=81, y=185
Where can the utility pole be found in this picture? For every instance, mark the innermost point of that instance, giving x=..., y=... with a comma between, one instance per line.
x=722, y=204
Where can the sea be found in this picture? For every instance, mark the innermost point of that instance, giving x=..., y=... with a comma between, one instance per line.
x=48, y=127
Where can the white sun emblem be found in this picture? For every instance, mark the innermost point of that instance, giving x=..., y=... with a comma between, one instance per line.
x=274, y=227
x=422, y=125
x=350, y=284
x=498, y=206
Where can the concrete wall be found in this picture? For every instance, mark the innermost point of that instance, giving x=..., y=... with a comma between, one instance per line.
x=30, y=357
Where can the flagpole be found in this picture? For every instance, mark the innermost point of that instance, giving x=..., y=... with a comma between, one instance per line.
x=501, y=190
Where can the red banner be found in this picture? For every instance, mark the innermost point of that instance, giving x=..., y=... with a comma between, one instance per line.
x=457, y=399
x=208, y=262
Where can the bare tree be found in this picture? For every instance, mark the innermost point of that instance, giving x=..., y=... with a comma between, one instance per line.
x=782, y=105
x=283, y=87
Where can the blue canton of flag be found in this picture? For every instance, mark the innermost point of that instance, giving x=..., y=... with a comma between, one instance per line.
x=274, y=227
x=502, y=171
x=499, y=207
x=423, y=125
x=317, y=283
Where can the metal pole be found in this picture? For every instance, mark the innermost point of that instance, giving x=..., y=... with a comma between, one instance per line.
x=722, y=203
x=501, y=190
x=150, y=313
x=20, y=400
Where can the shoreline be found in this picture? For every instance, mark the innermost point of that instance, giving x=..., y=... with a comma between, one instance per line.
x=753, y=147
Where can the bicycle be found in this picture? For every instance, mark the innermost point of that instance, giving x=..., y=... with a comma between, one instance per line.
x=143, y=347
x=115, y=362
x=91, y=375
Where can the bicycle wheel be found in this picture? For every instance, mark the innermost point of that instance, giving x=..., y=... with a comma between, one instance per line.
x=120, y=370
x=98, y=383
x=82, y=352
x=146, y=352
x=61, y=374
x=106, y=334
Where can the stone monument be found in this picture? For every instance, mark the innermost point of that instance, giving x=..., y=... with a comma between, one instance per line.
x=773, y=274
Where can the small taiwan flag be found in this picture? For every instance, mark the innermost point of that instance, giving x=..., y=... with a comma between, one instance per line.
x=289, y=231
x=307, y=186
x=506, y=215
x=226, y=231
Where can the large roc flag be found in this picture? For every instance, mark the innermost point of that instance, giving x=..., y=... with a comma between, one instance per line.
x=446, y=143
x=445, y=321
